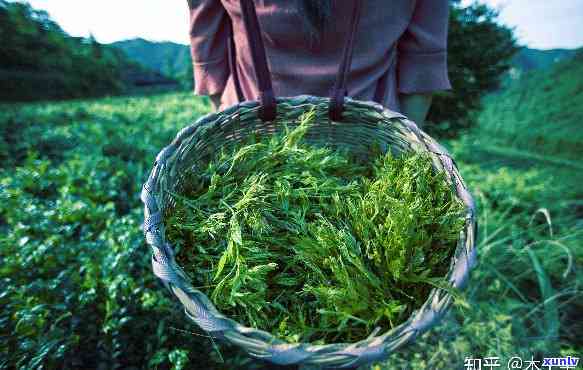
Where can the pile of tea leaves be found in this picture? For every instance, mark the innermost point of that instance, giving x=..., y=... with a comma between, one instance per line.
x=311, y=244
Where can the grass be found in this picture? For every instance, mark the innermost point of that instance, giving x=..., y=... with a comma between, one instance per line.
x=77, y=287
x=526, y=290
x=538, y=113
x=523, y=164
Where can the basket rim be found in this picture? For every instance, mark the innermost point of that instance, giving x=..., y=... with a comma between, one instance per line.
x=261, y=344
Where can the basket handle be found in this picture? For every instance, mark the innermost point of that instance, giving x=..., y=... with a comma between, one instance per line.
x=253, y=30
x=339, y=91
x=266, y=96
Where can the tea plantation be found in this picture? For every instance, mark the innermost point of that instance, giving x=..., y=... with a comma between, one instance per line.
x=77, y=289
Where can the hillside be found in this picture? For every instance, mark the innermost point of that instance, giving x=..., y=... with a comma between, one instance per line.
x=541, y=111
x=528, y=59
x=168, y=58
x=40, y=61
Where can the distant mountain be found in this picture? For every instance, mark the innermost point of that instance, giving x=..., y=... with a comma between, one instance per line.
x=168, y=58
x=530, y=59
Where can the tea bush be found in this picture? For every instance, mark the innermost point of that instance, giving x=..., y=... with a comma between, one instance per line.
x=77, y=287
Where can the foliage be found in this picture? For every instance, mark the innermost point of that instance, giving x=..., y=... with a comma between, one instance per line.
x=527, y=60
x=525, y=296
x=540, y=110
x=479, y=52
x=311, y=245
x=168, y=58
x=78, y=290
x=38, y=60
x=526, y=292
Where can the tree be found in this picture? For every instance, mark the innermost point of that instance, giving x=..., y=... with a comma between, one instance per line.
x=479, y=53
x=38, y=60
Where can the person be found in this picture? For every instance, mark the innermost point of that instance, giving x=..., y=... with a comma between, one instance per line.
x=400, y=47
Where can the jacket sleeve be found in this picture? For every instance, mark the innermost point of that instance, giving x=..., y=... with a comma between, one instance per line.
x=208, y=46
x=422, y=49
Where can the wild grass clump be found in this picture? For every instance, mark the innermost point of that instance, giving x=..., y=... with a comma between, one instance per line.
x=311, y=244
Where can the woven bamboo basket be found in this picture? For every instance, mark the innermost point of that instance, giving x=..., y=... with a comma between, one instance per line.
x=364, y=123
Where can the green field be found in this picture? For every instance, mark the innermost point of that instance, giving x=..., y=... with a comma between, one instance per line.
x=77, y=287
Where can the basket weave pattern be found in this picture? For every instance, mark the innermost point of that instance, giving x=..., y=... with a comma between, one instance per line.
x=364, y=123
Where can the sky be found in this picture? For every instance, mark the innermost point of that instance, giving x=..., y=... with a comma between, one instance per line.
x=540, y=24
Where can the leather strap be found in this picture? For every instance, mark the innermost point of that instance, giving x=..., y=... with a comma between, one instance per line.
x=252, y=29
x=263, y=77
x=339, y=91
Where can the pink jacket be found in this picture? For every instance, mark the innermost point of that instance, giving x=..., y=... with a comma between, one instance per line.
x=417, y=28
